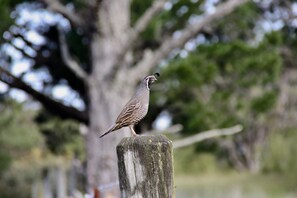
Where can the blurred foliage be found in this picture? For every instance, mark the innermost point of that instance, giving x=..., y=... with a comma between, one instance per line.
x=233, y=184
x=6, y=6
x=5, y=161
x=18, y=132
x=221, y=84
x=279, y=154
x=62, y=137
x=177, y=14
x=240, y=24
x=174, y=17
x=187, y=161
x=19, y=136
x=24, y=146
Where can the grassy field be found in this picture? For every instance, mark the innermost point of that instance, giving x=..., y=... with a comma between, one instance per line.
x=200, y=176
x=233, y=185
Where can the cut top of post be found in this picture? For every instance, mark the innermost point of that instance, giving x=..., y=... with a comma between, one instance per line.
x=143, y=140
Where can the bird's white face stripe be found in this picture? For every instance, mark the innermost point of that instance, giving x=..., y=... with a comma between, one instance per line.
x=147, y=83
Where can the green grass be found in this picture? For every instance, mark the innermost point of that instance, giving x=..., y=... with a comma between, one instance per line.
x=200, y=176
x=233, y=185
x=187, y=161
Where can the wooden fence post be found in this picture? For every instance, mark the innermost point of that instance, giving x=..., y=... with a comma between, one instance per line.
x=145, y=167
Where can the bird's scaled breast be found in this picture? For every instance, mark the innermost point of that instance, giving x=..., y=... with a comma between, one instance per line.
x=142, y=112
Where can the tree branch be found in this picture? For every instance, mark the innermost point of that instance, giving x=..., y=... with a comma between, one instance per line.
x=145, y=19
x=56, y=6
x=152, y=58
x=206, y=135
x=134, y=32
x=170, y=130
x=69, y=61
x=50, y=104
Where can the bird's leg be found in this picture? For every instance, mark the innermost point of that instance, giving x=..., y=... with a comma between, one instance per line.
x=132, y=131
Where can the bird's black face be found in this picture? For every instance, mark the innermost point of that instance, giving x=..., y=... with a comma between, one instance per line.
x=149, y=80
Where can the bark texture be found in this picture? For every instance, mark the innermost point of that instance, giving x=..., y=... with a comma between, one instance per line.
x=145, y=167
x=106, y=101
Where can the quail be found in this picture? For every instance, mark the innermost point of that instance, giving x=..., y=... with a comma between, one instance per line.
x=137, y=107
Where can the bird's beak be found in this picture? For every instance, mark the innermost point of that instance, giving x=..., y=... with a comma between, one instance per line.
x=156, y=75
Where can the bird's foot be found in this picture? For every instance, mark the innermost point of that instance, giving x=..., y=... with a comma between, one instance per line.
x=135, y=135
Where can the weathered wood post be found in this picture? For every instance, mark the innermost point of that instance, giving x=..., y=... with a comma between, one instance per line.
x=145, y=167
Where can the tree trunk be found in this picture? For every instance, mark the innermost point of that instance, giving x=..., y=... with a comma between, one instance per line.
x=101, y=153
x=107, y=95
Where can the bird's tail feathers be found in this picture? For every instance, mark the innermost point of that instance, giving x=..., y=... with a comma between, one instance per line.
x=111, y=129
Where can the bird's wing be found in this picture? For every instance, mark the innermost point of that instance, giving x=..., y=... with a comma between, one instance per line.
x=127, y=114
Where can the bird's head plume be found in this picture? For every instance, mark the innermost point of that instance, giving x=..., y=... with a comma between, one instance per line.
x=150, y=79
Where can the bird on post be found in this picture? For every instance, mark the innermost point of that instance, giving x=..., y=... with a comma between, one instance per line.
x=137, y=107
